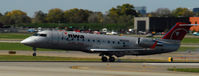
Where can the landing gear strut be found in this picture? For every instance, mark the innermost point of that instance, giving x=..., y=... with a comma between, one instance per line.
x=34, y=53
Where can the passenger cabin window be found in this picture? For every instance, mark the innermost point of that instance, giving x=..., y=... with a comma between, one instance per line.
x=118, y=42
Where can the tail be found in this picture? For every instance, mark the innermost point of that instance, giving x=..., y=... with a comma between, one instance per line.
x=178, y=32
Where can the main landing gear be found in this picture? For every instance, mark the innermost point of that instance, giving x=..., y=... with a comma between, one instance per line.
x=34, y=53
x=105, y=59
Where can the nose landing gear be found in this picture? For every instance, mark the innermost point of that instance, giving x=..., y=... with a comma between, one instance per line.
x=34, y=53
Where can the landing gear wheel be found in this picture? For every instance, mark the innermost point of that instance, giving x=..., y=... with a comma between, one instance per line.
x=34, y=54
x=111, y=59
x=104, y=59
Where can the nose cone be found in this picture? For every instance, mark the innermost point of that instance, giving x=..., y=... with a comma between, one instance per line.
x=28, y=42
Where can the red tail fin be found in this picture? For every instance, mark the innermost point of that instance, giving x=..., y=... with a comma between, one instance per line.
x=177, y=32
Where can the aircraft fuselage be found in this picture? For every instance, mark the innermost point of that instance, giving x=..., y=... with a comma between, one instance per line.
x=68, y=40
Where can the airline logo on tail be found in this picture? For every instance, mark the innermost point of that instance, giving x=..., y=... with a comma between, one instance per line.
x=177, y=32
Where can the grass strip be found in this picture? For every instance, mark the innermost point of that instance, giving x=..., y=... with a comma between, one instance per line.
x=14, y=35
x=49, y=58
x=181, y=49
x=19, y=46
x=42, y=58
x=144, y=60
x=52, y=58
x=190, y=40
x=195, y=70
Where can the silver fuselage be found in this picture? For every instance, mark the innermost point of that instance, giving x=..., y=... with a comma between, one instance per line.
x=74, y=41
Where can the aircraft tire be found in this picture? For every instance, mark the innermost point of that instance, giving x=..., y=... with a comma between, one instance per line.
x=111, y=59
x=34, y=54
x=104, y=59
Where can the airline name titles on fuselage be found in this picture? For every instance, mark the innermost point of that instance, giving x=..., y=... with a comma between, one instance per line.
x=75, y=36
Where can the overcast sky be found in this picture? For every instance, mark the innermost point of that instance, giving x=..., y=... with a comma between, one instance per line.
x=30, y=6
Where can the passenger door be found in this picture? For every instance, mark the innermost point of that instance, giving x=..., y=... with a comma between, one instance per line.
x=54, y=39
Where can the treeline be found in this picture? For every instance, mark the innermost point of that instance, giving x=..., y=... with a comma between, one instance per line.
x=80, y=26
x=178, y=12
x=119, y=16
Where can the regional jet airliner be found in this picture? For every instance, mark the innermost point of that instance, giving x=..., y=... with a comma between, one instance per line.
x=108, y=46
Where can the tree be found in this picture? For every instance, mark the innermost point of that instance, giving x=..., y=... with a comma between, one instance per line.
x=55, y=16
x=107, y=20
x=125, y=12
x=126, y=19
x=1, y=14
x=182, y=12
x=15, y=17
x=1, y=25
x=96, y=17
x=125, y=9
x=161, y=12
x=113, y=15
x=77, y=15
x=4, y=20
x=196, y=14
x=39, y=17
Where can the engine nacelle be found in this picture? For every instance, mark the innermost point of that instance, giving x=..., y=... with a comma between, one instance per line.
x=145, y=42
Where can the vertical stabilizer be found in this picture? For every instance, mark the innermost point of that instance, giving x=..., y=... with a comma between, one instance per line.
x=178, y=32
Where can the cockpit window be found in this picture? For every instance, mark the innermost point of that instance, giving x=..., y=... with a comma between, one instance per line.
x=35, y=34
x=43, y=35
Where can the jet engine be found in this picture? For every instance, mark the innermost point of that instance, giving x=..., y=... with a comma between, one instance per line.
x=145, y=42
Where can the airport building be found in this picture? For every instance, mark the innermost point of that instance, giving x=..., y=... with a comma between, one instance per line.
x=195, y=10
x=157, y=24
x=194, y=20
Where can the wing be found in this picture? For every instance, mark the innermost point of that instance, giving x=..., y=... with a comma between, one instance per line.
x=108, y=50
